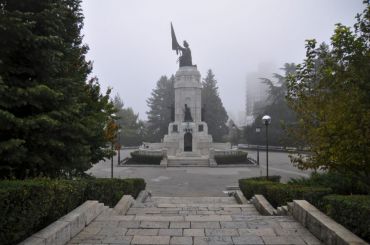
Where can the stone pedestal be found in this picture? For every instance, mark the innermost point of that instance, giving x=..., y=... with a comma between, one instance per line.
x=188, y=138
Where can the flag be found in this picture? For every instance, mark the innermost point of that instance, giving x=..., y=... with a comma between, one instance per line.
x=175, y=44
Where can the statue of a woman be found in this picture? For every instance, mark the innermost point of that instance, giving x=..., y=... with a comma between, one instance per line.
x=187, y=114
x=185, y=58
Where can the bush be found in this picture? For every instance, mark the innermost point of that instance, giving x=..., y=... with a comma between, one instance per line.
x=343, y=184
x=232, y=158
x=351, y=211
x=272, y=178
x=279, y=194
x=29, y=205
x=142, y=158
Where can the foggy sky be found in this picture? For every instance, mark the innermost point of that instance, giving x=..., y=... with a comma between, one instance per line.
x=130, y=41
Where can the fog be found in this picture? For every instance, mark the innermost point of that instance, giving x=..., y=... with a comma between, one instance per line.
x=130, y=41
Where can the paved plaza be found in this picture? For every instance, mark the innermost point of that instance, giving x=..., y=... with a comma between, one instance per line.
x=198, y=181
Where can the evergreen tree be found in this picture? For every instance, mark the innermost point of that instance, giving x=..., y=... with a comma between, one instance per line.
x=214, y=112
x=282, y=116
x=160, y=103
x=132, y=129
x=52, y=121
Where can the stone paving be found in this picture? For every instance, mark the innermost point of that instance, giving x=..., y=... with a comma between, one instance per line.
x=193, y=220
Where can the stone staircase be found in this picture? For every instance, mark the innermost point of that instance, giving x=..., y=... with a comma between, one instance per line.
x=192, y=220
x=193, y=161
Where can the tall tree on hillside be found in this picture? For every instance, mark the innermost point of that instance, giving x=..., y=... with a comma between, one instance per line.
x=331, y=95
x=277, y=107
x=215, y=114
x=132, y=129
x=52, y=121
x=160, y=103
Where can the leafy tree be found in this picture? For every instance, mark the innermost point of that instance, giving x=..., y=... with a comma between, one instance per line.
x=215, y=114
x=331, y=95
x=132, y=129
x=282, y=116
x=160, y=103
x=51, y=121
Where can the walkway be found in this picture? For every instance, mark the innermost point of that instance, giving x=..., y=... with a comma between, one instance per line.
x=193, y=220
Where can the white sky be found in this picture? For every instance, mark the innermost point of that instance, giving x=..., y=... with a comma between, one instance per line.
x=130, y=41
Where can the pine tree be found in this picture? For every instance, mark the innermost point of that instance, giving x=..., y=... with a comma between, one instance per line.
x=52, y=121
x=160, y=103
x=215, y=114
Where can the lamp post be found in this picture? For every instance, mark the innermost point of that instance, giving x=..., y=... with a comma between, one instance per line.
x=119, y=146
x=258, y=130
x=266, y=119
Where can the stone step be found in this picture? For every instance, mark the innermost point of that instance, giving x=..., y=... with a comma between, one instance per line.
x=188, y=161
x=194, y=200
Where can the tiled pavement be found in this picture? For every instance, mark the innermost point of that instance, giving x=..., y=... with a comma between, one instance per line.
x=193, y=220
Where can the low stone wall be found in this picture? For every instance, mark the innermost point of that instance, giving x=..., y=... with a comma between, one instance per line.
x=262, y=205
x=62, y=230
x=322, y=226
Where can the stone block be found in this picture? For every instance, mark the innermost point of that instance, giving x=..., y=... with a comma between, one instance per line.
x=142, y=232
x=233, y=224
x=159, y=218
x=181, y=240
x=170, y=232
x=209, y=224
x=226, y=240
x=221, y=232
x=250, y=239
x=154, y=224
x=193, y=232
x=208, y=218
x=180, y=225
x=158, y=240
x=58, y=233
x=33, y=241
x=76, y=220
x=124, y=204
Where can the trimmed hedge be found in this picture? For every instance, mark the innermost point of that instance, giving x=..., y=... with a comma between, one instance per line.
x=352, y=211
x=279, y=194
x=30, y=205
x=234, y=158
x=140, y=158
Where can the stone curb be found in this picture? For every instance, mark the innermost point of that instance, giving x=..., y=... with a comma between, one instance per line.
x=262, y=205
x=124, y=204
x=143, y=195
x=240, y=197
x=320, y=225
x=62, y=230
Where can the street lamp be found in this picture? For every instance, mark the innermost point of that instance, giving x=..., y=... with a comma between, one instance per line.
x=119, y=146
x=258, y=130
x=266, y=119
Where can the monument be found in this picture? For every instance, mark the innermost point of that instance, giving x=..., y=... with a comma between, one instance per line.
x=187, y=141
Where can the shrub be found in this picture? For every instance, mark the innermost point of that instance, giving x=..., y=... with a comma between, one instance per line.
x=29, y=205
x=142, y=158
x=232, y=158
x=279, y=194
x=352, y=211
x=340, y=183
x=272, y=178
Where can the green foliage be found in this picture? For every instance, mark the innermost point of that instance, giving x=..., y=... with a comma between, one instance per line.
x=144, y=158
x=160, y=103
x=282, y=116
x=330, y=94
x=214, y=112
x=279, y=194
x=272, y=178
x=233, y=158
x=340, y=183
x=29, y=205
x=132, y=129
x=352, y=211
x=51, y=120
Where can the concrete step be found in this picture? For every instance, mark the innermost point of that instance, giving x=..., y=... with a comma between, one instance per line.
x=193, y=200
x=188, y=161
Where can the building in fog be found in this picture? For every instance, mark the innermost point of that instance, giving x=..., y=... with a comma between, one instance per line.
x=256, y=90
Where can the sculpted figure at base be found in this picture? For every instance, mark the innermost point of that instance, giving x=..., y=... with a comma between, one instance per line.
x=187, y=114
